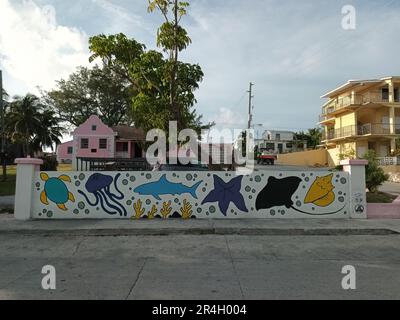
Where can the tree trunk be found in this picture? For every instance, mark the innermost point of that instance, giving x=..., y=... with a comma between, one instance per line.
x=174, y=59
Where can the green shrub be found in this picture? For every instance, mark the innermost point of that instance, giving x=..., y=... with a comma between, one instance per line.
x=49, y=164
x=374, y=175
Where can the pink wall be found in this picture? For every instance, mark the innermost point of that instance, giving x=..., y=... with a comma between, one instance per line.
x=86, y=131
x=62, y=151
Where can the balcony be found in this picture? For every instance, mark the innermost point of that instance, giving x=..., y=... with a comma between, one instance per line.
x=360, y=130
x=371, y=97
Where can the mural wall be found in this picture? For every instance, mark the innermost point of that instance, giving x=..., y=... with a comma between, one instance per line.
x=190, y=195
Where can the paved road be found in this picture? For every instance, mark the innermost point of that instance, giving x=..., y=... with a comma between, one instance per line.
x=391, y=187
x=200, y=267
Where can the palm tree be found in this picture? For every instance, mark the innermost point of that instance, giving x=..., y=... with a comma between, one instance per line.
x=32, y=125
x=49, y=133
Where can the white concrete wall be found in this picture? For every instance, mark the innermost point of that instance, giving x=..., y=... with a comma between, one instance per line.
x=266, y=194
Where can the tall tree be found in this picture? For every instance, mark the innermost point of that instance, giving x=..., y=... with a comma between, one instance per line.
x=101, y=90
x=30, y=124
x=172, y=38
x=148, y=75
x=313, y=137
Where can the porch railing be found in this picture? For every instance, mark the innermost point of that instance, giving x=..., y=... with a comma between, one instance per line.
x=388, y=161
x=349, y=100
x=361, y=130
x=112, y=164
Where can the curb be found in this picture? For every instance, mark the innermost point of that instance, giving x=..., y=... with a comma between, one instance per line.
x=202, y=231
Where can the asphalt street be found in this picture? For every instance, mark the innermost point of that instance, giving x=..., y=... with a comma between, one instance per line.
x=200, y=267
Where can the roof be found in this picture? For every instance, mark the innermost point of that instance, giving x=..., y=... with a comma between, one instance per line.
x=129, y=133
x=354, y=83
x=348, y=85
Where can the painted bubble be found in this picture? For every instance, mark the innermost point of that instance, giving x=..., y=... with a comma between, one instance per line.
x=212, y=209
x=343, y=180
x=132, y=178
x=77, y=183
x=76, y=211
x=81, y=205
x=125, y=182
x=148, y=176
x=257, y=179
x=49, y=214
x=189, y=177
x=81, y=176
x=341, y=199
x=248, y=189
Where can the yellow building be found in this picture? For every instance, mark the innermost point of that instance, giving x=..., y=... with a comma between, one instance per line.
x=361, y=115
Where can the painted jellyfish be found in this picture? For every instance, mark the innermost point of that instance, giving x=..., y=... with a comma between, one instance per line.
x=99, y=186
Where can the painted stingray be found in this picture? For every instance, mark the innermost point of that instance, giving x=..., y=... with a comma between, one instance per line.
x=164, y=187
x=56, y=191
x=99, y=186
x=226, y=192
x=279, y=192
x=321, y=192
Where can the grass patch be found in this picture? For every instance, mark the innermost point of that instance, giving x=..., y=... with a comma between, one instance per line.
x=380, y=197
x=7, y=188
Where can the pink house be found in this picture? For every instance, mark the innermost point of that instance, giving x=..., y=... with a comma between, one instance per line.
x=93, y=139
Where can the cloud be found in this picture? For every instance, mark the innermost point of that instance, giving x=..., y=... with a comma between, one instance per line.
x=34, y=49
x=228, y=118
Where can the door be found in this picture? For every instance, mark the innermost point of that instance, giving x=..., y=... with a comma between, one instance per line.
x=280, y=148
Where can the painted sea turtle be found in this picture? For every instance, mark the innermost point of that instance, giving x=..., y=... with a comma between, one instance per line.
x=56, y=191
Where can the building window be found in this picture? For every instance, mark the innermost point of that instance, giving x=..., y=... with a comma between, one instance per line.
x=94, y=150
x=385, y=94
x=70, y=150
x=94, y=128
x=278, y=136
x=122, y=147
x=84, y=143
x=103, y=144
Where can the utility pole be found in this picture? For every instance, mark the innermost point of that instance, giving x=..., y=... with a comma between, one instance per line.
x=250, y=104
x=3, y=140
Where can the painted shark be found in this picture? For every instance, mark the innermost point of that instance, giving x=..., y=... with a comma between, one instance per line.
x=164, y=187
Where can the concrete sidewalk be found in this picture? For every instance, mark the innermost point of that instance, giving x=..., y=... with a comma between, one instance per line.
x=272, y=227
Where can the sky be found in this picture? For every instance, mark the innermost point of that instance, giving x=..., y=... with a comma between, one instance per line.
x=294, y=51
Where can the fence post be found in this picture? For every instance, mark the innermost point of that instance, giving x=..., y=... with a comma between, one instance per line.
x=26, y=168
x=358, y=196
